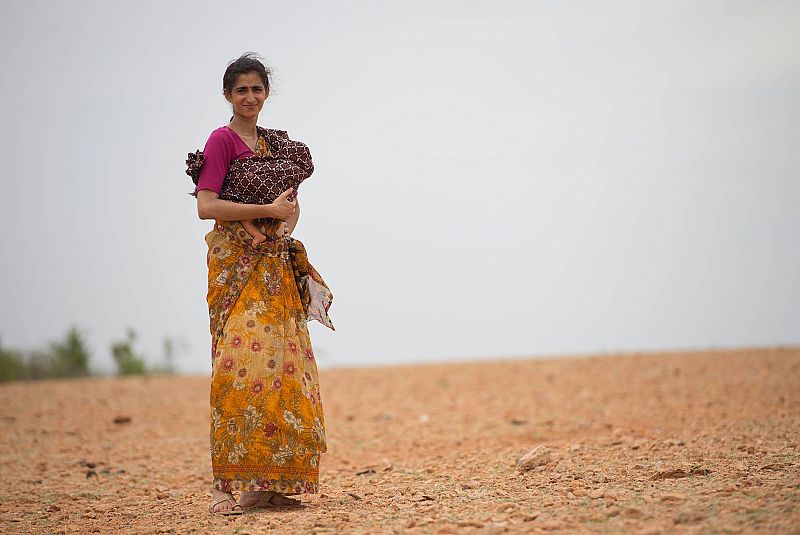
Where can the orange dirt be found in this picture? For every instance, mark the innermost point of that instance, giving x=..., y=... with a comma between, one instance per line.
x=669, y=442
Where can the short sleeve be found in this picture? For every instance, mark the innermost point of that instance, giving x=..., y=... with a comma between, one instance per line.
x=217, y=154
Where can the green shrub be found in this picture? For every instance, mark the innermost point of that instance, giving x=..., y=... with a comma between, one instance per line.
x=128, y=361
x=70, y=358
x=12, y=366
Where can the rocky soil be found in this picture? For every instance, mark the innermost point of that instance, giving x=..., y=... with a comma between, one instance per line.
x=701, y=442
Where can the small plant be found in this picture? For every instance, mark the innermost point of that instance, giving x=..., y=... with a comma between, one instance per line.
x=70, y=358
x=11, y=365
x=128, y=361
x=170, y=349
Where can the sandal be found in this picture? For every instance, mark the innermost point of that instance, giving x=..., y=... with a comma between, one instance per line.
x=229, y=512
x=265, y=502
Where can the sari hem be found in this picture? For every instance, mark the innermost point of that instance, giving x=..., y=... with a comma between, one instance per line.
x=297, y=486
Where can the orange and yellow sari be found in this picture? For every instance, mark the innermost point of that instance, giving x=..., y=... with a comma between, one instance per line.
x=267, y=425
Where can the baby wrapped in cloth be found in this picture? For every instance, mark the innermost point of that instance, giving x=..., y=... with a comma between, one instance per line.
x=280, y=164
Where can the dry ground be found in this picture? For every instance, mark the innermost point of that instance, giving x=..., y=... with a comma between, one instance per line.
x=703, y=442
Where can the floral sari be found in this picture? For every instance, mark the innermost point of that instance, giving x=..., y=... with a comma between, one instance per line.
x=267, y=423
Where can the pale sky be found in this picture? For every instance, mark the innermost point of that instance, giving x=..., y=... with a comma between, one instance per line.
x=492, y=179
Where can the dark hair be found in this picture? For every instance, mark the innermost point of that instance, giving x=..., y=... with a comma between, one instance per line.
x=247, y=63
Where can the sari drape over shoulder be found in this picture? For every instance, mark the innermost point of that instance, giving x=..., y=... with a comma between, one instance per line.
x=267, y=422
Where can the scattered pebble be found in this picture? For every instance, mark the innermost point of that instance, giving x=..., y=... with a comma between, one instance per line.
x=538, y=456
x=688, y=517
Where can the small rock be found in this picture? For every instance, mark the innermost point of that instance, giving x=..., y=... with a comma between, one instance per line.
x=90, y=472
x=493, y=528
x=549, y=524
x=527, y=517
x=679, y=473
x=518, y=421
x=699, y=471
x=162, y=495
x=354, y=495
x=122, y=420
x=687, y=517
x=633, y=512
x=772, y=466
x=538, y=456
x=673, y=497
x=470, y=524
x=596, y=494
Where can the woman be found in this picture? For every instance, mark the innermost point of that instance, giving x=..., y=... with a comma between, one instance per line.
x=267, y=424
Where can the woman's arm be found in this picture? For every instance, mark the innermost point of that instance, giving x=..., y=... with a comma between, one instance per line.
x=210, y=206
x=292, y=221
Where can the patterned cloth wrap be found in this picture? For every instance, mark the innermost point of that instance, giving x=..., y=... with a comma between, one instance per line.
x=260, y=179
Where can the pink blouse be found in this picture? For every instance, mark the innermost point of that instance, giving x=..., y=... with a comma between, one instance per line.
x=223, y=146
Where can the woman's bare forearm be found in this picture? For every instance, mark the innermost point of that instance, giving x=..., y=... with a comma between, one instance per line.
x=209, y=206
x=292, y=221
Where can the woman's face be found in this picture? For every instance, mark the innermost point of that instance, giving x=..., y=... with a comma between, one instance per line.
x=248, y=95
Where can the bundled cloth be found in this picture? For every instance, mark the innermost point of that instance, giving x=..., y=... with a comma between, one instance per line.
x=260, y=179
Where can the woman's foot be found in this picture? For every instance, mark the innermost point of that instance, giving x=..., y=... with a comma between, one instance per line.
x=258, y=240
x=223, y=503
x=265, y=498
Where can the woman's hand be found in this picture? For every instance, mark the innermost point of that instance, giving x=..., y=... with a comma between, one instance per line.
x=282, y=208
